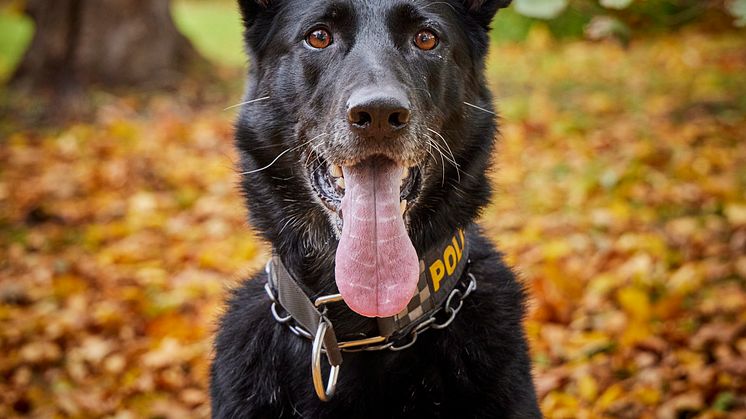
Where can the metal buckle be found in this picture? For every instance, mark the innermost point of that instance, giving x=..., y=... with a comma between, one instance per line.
x=327, y=299
x=325, y=394
x=361, y=342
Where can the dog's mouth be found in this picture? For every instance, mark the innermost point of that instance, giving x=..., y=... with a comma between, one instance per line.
x=329, y=183
x=377, y=267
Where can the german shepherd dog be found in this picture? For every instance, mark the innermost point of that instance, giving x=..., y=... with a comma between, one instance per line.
x=364, y=143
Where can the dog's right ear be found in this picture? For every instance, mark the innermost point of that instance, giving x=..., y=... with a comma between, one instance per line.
x=251, y=9
x=484, y=10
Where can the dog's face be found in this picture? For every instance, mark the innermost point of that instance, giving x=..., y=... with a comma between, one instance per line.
x=367, y=132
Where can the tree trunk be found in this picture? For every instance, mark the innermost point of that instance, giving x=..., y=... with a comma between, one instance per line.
x=105, y=42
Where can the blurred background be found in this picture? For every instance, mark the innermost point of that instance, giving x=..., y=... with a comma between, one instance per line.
x=620, y=200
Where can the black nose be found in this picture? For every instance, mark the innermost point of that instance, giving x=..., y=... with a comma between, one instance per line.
x=378, y=112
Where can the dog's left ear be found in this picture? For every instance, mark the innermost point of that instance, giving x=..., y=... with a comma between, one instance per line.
x=250, y=9
x=484, y=10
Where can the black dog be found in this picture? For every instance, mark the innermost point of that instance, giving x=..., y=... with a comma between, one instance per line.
x=364, y=144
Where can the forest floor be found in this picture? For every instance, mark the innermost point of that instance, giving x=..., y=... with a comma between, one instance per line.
x=620, y=200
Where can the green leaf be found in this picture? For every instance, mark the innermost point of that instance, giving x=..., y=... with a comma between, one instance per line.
x=615, y=4
x=540, y=9
x=723, y=402
x=737, y=8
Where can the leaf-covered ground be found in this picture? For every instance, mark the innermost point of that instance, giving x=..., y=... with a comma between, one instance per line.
x=620, y=199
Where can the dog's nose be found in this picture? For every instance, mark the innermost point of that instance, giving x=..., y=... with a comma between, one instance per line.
x=378, y=113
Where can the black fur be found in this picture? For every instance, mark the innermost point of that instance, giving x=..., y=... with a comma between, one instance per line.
x=477, y=367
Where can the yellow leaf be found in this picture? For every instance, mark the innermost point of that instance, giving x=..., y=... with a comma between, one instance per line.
x=635, y=332
x=609, y=396
x=736, y=214
x=635, y=302
x=587, y=387
x=648, y=395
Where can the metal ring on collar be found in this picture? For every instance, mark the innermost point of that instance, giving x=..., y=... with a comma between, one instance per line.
x=325, y=394
x=300, y=331
x=413, y=339
x=276, y=315
x=270, y=292
x=452, y=312
x=471, y=287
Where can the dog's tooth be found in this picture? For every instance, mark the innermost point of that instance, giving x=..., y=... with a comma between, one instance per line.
x=341, y=182
x=336, y=170
x=404, y=173
x=403, y=206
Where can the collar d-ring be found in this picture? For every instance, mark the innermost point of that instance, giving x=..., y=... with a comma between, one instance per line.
x=325, y=394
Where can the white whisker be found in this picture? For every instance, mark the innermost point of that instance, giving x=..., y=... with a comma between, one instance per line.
x=247, y=102
x=441, y=150
x=479, y=107
x=310, y=154
x=282, y=154
x=452, y=159
x=431, y=143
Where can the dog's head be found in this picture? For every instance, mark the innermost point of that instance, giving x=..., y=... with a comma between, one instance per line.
x=366, y=133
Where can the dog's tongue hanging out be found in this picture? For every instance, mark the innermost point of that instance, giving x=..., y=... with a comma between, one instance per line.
x=376, y=267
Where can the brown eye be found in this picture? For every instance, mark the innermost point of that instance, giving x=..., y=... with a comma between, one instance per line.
x=426, y=40
x=319, y=39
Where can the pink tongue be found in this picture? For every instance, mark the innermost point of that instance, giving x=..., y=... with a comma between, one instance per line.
x=377, y=267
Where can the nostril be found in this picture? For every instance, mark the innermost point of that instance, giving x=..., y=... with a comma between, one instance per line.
x=360, y=119
x=399, y=119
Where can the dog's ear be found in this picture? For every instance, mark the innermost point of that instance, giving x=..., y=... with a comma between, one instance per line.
x=258, y=16
x=250, y=9
x=484, y=10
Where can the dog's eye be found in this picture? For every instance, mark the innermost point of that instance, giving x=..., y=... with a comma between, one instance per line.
x=426, y=40
x=319, y=38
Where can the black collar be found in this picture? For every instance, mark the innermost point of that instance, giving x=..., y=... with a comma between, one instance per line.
x=444, y=283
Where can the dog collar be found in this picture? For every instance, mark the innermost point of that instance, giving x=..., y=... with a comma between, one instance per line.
x=443, y=284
